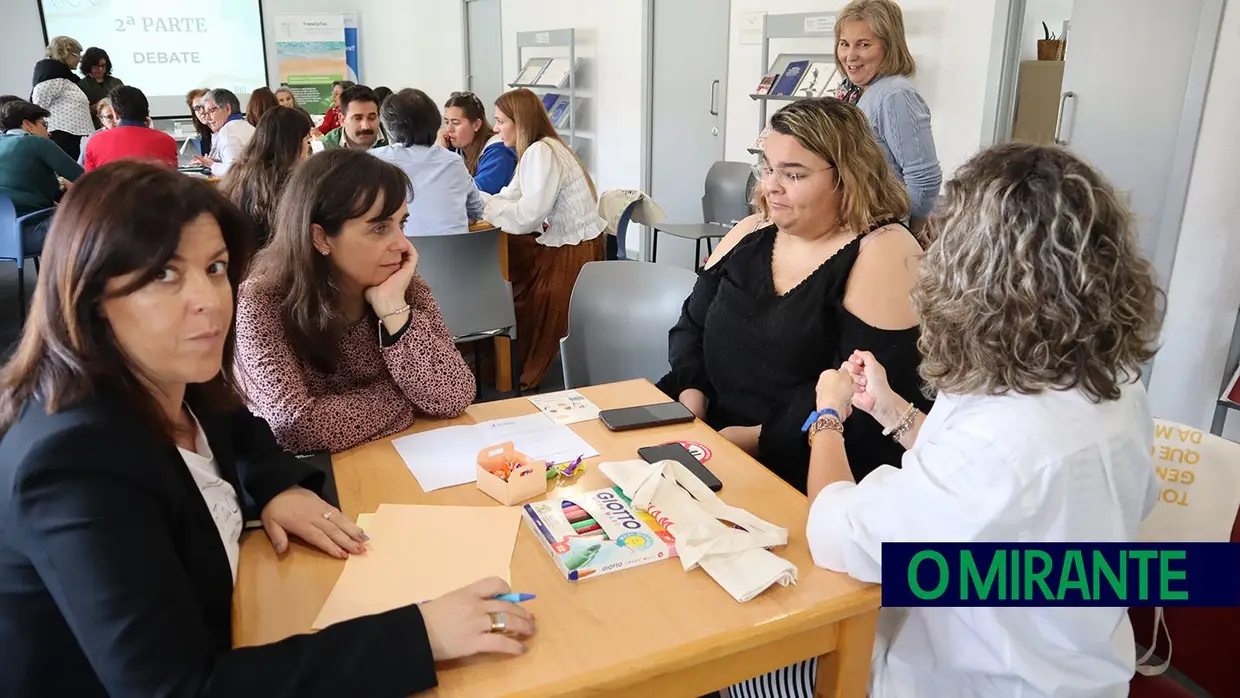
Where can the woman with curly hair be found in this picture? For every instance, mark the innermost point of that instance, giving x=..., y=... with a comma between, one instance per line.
x=1037, y=311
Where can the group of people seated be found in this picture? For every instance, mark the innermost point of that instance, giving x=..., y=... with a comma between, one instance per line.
x=977, y=381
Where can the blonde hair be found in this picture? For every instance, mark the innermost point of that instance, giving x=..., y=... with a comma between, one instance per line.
x=886, y=20
x=61, y=47
x=1034, y=280
x=839, y=133
x=530, y=118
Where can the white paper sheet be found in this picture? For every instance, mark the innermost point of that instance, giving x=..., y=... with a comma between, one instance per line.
x=449, y=456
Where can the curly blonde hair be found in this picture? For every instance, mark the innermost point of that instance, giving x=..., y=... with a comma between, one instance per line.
x=61, y=47
x=1034, y=280
x=839, y=133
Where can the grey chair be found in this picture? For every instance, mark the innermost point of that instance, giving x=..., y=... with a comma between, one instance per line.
x=725, y=201
x=618, y=320
x=464, y=274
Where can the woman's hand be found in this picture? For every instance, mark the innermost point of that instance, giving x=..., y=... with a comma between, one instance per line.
x=873, y=395
x=744, y=438
x=835, y=392
x=302, y=513
x=389, y=296
x=441, y=139
x=458, y=624
x=204, y=161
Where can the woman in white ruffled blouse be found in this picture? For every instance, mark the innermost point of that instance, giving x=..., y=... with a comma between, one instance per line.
x=551, y=210
x=56, y=89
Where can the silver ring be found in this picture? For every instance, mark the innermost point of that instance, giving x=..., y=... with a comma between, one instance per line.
x=499, y=622
x=327, y=515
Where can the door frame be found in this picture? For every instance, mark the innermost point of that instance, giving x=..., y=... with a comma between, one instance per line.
x=1001, y=101
x=647, y=109
x=467, y=82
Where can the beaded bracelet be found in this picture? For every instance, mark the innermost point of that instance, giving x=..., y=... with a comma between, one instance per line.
x=388, y=315
x=904, y=425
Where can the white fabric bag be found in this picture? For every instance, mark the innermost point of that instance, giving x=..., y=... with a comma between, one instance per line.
x=1198, y=497
x=736, y=558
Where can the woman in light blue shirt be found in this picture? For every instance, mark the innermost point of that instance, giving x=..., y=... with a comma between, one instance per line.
x=872, y=55
x=443, y=198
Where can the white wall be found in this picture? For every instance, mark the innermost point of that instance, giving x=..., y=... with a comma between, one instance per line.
x=949, y=39
x=401, y=43
x=609, y=48
x=1204, y=291
x=21, y=45
x=1053, y=12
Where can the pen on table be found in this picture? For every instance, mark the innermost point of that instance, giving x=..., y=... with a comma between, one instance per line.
x=515, y=598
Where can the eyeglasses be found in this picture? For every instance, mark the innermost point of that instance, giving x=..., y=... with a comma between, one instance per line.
x=210, y=110
x=784, y=177
x=198, y=108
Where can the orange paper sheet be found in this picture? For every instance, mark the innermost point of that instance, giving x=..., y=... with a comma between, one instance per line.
x=419, y=553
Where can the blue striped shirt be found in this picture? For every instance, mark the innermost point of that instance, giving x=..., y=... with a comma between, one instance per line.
x=901, y=121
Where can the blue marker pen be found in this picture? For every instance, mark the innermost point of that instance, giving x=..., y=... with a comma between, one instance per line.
x=515, y=598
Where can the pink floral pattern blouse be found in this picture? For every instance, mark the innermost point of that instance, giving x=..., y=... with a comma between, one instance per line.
x=374, y=392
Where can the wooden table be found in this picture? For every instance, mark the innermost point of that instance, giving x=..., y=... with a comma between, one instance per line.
x=652, y=630
x=503, y=345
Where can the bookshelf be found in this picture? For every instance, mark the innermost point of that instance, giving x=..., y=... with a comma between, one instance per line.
x=559, y=41
x=783, y=27
x=1223, y=407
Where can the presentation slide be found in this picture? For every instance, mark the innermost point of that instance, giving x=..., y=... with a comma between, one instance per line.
x=169, y=47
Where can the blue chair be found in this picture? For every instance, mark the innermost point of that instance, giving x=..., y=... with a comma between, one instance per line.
x=16, y=245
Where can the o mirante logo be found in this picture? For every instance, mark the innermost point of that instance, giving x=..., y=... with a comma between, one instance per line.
x=1061, y=574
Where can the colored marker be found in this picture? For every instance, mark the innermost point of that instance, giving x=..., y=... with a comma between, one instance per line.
x=586, y=527
x=515, y=598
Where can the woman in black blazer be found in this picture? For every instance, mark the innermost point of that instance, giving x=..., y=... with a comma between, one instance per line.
x=124, y=450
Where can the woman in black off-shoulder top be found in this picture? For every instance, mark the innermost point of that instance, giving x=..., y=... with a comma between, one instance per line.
x=825, y=271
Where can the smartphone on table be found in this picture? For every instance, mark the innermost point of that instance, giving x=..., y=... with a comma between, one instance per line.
x=662, y=414
x=680, y=454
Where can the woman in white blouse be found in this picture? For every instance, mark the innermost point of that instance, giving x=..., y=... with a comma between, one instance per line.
x=1037, y=312
x=551, y=210
x=56, y=90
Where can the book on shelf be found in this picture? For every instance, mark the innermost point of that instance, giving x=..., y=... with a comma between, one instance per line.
x=556, y=73
x=1232, y=393
x=598, y=532
x=819, y=81
x=559, y=111
x=787, y=84
x=549, y=100
x=760, y=141
x=767, y=83
x=532, y=71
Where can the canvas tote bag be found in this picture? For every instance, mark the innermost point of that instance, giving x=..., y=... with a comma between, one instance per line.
x=735, y=556
x=1198, y=497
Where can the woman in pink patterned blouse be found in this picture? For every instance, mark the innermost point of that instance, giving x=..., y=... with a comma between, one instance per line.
x=339, y=341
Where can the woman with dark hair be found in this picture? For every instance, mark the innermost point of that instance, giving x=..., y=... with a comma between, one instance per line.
x=383, y=92
x=261, y=100
x=443, y=198
x=58, y=90
x=489, y=160
x=125, y=451
x=97, y=79
x=339, y=340
x=193, y=100
x=255, y=181
x=334, y=117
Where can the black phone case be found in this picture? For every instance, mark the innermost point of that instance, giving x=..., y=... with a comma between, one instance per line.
x=680, y=454
x=641, y=425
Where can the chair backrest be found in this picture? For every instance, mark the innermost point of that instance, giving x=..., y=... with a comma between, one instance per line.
x=726, y=197
x=464, y=274
x=10, y=236
x=618, y=320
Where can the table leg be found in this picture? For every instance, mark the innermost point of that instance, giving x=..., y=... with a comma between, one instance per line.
x=845, y=673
